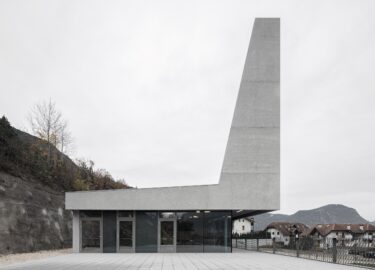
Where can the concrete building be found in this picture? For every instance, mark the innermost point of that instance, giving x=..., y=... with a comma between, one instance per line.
x=199, y=218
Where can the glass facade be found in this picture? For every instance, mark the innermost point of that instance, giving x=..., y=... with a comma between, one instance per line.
x=166, y=232
x=88, y=214
x=153, y=231
x=146, y=239
x=125, y=234
x=217, y=231
x=167, y=214
x=90, y=235
x=204, y=231
x=109, y=231
x=127, y=214
x=190, y=231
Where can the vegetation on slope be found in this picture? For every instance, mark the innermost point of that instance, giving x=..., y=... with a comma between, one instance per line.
x=24, y=155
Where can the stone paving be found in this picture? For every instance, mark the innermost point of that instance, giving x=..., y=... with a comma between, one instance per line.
x=176, y=261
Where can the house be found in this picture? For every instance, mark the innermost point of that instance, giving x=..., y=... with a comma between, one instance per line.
x=199, y=218
x=345, y=233
x=243, y=226
x=283, y=231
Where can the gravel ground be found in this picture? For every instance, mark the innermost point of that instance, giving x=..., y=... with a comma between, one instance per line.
x=23, y=257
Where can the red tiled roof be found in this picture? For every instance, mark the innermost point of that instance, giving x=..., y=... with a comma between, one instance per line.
x=325, y=229
x=286, y=228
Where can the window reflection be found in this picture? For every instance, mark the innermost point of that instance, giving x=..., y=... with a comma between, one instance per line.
x=204, y=231
x=90, y=235
x=217, y=231
x=167, y=215
x=166, y=232
x=126, y=233
x=189, y=232
x=128, y=214
x=90, y=213
x=146, y=231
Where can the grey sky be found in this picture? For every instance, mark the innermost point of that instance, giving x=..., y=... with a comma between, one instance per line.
x=149, y=87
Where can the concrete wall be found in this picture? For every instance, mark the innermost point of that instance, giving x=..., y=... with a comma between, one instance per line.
x=250, y=177
x=76, y=232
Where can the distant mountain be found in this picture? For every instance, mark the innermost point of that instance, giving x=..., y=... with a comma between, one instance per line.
x=332, y=213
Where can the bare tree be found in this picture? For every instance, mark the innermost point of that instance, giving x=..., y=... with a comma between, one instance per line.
x=46, y=122
x=65, y=138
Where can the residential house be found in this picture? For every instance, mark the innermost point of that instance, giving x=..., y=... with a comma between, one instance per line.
x=283, y=231
x=345, y=234
x=243, y=226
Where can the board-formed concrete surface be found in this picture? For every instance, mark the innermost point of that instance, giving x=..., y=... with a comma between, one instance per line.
x=176, y=261
x=250, y=176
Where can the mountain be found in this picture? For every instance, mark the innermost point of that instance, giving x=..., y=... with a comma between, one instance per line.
x=332, y=213
x=32, y=201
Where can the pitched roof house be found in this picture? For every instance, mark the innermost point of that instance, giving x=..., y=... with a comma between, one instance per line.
x=342, y=232
x=281, y=231
x=243, y=226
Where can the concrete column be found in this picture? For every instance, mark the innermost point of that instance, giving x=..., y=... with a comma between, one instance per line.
x=76, y=240
x=334, y=250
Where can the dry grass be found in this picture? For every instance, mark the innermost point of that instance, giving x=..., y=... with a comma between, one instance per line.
x=23, y=257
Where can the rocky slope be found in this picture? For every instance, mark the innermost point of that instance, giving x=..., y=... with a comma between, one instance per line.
x=332, y=213
x=32, y=216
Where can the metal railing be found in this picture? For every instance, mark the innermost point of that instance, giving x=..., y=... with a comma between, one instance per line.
x=357, y=252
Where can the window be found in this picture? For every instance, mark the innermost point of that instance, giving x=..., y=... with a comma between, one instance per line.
x=128, y=214
x=146, y=231
x=84, y=214
x=90, y=234
x=208, y=231
x=278, y=233
x=217, y=231
x=189, y=232
x=126, y=233
x=166, y=232
x=167, y=215
x=243, y=227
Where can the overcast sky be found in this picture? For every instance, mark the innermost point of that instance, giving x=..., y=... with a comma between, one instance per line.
x=149, y=87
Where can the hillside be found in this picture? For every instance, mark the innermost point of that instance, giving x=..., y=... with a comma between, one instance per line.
x=32, y=215
x=332, y=213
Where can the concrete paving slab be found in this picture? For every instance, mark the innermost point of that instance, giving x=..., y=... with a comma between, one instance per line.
x=175, y=261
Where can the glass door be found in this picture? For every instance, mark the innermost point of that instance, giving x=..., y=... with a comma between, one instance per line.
x=91, y=231
x=125, y=235
x=167, y=235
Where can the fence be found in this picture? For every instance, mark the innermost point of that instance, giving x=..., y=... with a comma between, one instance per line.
x=341, y=251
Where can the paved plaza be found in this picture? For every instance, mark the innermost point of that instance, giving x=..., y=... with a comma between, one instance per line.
x=176, y=261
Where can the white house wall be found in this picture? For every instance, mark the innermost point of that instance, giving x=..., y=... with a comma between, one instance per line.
x=241, y=226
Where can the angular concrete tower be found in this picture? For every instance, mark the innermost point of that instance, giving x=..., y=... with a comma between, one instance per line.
x=199, y=218
x=250, y=177
x=252, y=157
